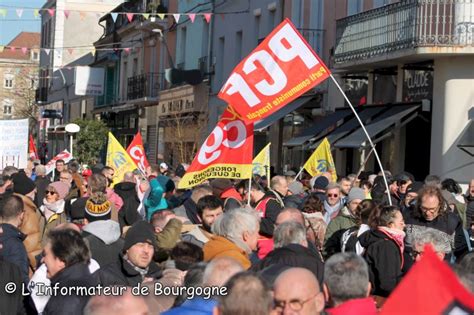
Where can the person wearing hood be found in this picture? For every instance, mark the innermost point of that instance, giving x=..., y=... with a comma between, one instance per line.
x=385, y=251
x=347, y=216
x=53, y=206
x=32, y=220
x=135, y=264
x=127, y=190
x=156, y=199
x=102, y=233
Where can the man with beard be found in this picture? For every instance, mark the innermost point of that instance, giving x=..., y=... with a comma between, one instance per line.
x=209, y=208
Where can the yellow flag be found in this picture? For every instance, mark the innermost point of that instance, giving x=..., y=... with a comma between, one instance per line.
x=118, y=159
x=261, y=163
x=36, y=13
x=321, y=161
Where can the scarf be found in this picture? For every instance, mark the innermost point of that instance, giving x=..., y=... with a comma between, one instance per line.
x=397, y=236
x=52, y=208
x=142, y=271
x=240, y=244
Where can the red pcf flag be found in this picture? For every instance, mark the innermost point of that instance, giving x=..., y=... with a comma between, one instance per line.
x=279, y=70
x=226, y=153
x=32, y=149
x=137, y=153
x=430, y=287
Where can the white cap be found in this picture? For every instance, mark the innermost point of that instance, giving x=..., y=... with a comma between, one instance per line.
x=164, y=166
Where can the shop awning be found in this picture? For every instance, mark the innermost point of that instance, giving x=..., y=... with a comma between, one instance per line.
x=466, y=141
x=282, y=112
x=350, y=125
x=383, y=122
x=318, y=127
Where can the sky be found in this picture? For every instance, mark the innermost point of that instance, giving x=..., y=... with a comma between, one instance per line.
x=12, y=25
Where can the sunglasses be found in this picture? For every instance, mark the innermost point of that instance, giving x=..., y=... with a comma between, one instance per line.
x=50, y=192
x=333, y=195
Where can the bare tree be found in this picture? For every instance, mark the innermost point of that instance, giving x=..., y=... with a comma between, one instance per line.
x=24, y=92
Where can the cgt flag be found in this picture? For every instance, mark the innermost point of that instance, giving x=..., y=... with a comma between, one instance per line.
x=261, y=163
x=430, y=287
x=279, y=70
x=118, y=159
x=321, y=161
x=137, y=153
x=226, y=153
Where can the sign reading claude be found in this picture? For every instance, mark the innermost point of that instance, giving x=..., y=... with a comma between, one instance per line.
x=226, y=153
x=279, y=70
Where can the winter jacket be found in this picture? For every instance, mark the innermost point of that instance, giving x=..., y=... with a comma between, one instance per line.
x=272, y=209
x=343, y=221
x=49, y=224
x=364, y=306
x=220, y=246
x=104, y=240
x=188, y=210
x=121, y=273
x=31, y=227
x=170, y=235
x=294, y=255
x=128, y=193
x=294, y=201
x=78, y=181
x=385, y=261
x=198, y=236
x=10, y=304
x=13, y=248
x=115, y=199
x=74, y=277
x=449, y=225
x=231, y=199
x=195, y=306
x=155, y=200
x=41, y=182
x=315, y=223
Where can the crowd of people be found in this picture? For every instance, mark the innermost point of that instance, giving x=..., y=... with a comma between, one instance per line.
x=73, y=242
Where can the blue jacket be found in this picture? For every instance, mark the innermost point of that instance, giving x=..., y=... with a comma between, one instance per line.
x=13, y=249
x=155, y=200
x=196, y=306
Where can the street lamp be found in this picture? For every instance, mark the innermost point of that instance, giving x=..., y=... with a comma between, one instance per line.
x=71, y=129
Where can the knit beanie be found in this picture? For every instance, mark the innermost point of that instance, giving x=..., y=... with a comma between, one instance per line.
x=321, y=183
x=22, y=184
x=61, y=188
x=98, y=207
x=139, y=232
x=78, y=207
x=355, y=193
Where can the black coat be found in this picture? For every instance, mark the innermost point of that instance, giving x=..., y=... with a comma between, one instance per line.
x=128, y=214
x=13, y=249
x=385, y=261
x=74, y=276
x=272, y=210
x=11, y=304
x=294, y=255
x=121, y=273
x=103, y=253
x=41, y=184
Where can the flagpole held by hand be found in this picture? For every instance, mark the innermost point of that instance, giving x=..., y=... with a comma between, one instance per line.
x=299, y=174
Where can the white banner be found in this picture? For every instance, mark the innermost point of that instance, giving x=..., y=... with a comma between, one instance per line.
x=64, y=155
x=89, y=81
x=13, y=143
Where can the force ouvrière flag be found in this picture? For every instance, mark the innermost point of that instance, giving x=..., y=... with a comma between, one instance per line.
x=321, y=161
x=118, y=159
x=261, y=163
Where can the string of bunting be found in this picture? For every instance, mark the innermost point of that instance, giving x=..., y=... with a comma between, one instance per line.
x=83, y=14
x=70, y=50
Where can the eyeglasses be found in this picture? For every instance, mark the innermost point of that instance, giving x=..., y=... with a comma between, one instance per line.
x=295, y=305
x=332, y=195
x=50, y=192
x=424, y=209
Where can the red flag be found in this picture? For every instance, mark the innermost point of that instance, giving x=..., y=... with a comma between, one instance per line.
x=430, y=287
x=137, y=153
x=32, y=149
x=226, y=153
x=279, y=70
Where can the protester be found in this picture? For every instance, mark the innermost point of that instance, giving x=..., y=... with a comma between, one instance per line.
x=225, y=190
x=127, y=191
x=345, y=186
x=109, y=173
x=346, y=285
x=409, y=202
x=97, y=185
x=430, y=237
x=155, y=200
x=164, y=169
x=333, y=203
x=319, y=187
x=10, y=273
x=66, y=257
x=403, y=179
x=433, y=181
x=385, y=251
x=122, y=304
x=73, y=168
x=55, y=174
x=236, y=234
x=295, y=196
x=53, y=208
x=152, y=171
x=314, y=217
x=184, y=255
x=188, y=209
x=296, y=291
x=469, y=198
x=41, y=182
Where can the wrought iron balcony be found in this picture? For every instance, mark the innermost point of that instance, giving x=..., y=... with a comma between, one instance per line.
x=143, y=85
x=405, y=25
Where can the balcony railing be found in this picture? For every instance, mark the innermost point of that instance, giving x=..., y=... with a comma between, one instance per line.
x=315, y=38
x=143, y=85
x=404, y=25
x=202, y=64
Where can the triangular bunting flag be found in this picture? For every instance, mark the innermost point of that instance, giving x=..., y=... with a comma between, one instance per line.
x=161, y=16
x=176, y=17
x=192, y=16
x=66, y=13
x=47, y=50
x=12, y=48
x=146, y=15
x=24, y=50
x=127, y=50
x=129, y=17
x=3, y=12
x=19, y=12
x=36, y=13
x=114, y=16
x=82, y=15
x=70, y=51
x=2, y=48
x=207, y=16
x=51, y=12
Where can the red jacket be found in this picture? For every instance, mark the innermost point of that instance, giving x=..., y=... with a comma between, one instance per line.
x=364, y=306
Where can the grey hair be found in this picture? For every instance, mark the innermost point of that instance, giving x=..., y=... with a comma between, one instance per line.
x=219, y=270
x=233, y=223
x=333, y=186
x=40, y=170
x=289, y=233
x=346, y=276
x=433, y=237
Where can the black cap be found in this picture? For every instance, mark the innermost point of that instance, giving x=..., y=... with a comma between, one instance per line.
x=414, y=187
x=140, y=232
x=22, y=184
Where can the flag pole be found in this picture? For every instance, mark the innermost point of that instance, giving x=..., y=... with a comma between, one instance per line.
x=250, y=188
x=367, y=135
x=299, y=173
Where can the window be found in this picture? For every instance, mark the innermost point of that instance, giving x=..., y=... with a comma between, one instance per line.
x=354, y=6
x=182, y=50
x=8, y=82
x=35, y=55
x=7, y=107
